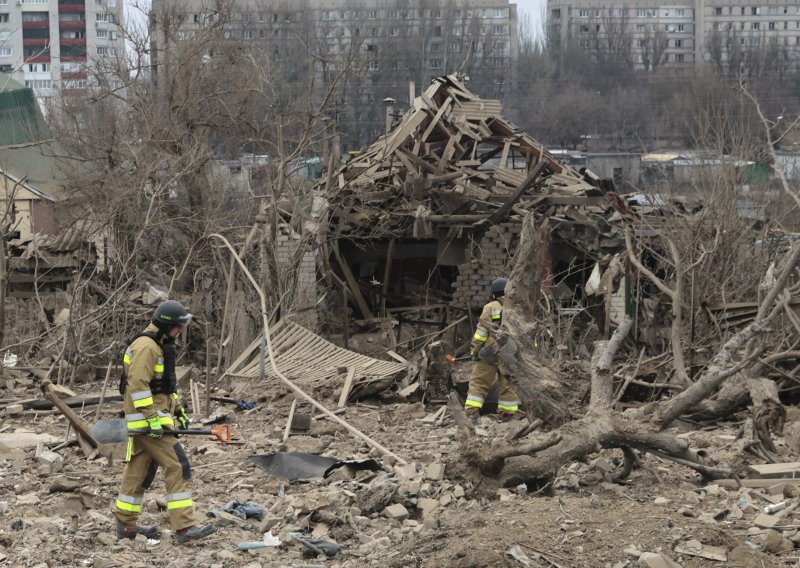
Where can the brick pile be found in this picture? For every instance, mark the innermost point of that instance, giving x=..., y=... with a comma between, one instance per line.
x=491, y=260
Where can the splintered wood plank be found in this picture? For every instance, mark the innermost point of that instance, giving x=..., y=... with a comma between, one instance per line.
x=447, y=155
x=437, y=118
x=770, y=470
x=348, y=384
x=504, y=155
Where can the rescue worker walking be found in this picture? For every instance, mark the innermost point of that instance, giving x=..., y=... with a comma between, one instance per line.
x=483, y=373
x=151, y=399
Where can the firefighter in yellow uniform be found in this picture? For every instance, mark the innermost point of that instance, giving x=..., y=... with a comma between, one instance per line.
x=151, y=400
x=483, y=373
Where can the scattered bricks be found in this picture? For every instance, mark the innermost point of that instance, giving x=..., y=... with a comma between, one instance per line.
x=602, y=465
x=774, y=542
x=458, y=492
x=13, y=409
x=653, y=560
x=408, y=471
x=765, y=521
x=396, y=512
x=52, y=460
x=434, y=472
x=427, y=506
x=776, y=489
x=661, y=501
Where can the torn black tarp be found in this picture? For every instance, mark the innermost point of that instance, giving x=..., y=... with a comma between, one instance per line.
x=299, y=466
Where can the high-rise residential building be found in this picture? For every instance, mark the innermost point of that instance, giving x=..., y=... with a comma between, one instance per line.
x=735, y=36
x=56, y=46
x=395, y=42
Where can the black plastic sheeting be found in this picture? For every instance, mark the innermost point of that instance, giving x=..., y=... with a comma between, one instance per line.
x=299, y=466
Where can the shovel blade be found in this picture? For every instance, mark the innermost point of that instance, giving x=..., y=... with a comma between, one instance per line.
x=110, y=431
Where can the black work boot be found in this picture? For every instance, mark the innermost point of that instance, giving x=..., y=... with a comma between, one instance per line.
x=194, y=533
x=131, y=530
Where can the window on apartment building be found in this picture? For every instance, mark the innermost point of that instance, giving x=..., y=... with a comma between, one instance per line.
x=773, y=11
x=666, y=13
x=4, y=35
x=35, y=16
x=717, y=11
x=394, y=32
x=583, y=13
x=755, y=26
x=786, y=41
x=744, y=10
x=247, y=34
x=3, y=2
x=262, y=34
x=499, y=13
x=457, y=13
x=196, y=18
x=678, y=43
x=373, y=32
x=435, y=63
x=227, y=34
x=455, y=47
x=584, y=29
x=680, y=12
x=392, y=14
x=786, y=25
x=3, y=18
x=436, y=47
x=771, y=26
x=437, y=31
x=715, y=26
x=102, y=34
x=497, y=61
x=498, y=29
x=797, y=25
x=5, y=52
x=639, y=43
x=456, y=31
x=372, y=14
x=755, y=10
x=483, y=30
x=756, y=40
x=436, y=13
x=639, y=27
x=556, y=14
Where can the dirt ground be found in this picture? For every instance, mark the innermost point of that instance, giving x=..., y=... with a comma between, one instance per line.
x=65, y=518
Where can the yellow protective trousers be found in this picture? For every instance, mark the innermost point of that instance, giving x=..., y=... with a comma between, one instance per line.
x=145, y=455
x=480, y=383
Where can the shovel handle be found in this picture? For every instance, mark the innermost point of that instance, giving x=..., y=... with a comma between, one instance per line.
x=222, y=432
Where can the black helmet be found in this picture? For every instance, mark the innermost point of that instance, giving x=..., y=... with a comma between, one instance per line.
x=171, y=313
x=499, y=286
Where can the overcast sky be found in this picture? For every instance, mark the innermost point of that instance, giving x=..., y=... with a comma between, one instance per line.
x=532, y=8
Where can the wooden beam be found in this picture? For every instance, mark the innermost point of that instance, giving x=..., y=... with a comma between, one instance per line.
x=363, y=307
x=502, y=213
x=348, y=384
x=77, y=422
x=288, y=428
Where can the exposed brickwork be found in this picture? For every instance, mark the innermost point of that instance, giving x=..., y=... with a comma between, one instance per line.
x=491, y=260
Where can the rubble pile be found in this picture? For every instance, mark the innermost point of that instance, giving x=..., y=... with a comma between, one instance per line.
x=56, y=505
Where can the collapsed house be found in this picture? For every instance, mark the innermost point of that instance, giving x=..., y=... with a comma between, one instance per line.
x=430, y=213
x=42, y=259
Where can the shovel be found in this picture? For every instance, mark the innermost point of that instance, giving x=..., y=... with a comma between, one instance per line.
x=116, y=431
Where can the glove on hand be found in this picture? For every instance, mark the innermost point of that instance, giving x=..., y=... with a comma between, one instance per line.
x=473, y=355
x=154, y=424
x=183, y=418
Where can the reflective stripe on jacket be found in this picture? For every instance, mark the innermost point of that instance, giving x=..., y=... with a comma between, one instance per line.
x=144, y=362
x=489, y=322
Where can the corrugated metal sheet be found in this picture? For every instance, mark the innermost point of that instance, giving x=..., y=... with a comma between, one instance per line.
x=306, y=358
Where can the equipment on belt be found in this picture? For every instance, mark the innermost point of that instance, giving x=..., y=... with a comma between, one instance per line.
x=116, y=431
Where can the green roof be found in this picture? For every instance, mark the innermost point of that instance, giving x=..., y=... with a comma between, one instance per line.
x=27, y=150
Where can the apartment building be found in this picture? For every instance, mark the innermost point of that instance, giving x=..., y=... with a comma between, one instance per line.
x=396, y=41
x=51, y=45
x=732, y=35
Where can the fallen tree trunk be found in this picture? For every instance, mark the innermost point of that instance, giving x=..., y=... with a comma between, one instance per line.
x=537, y=464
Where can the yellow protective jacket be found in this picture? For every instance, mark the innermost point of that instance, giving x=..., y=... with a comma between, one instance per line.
x=144, y=362
x=488, y=324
